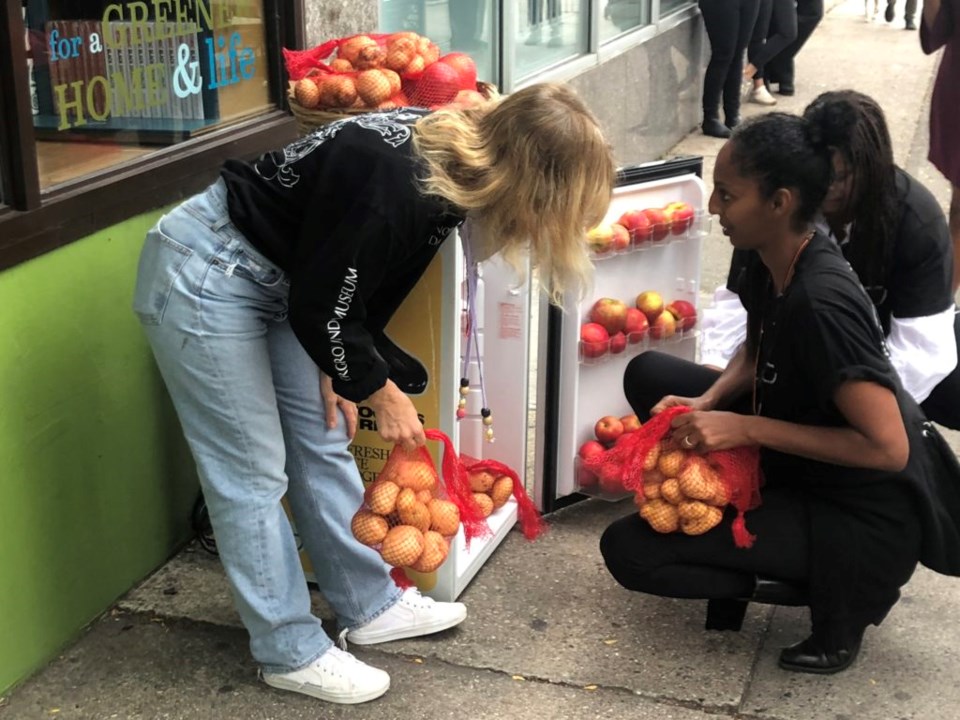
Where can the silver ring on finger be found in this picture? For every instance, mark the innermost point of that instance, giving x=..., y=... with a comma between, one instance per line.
x=687, y=442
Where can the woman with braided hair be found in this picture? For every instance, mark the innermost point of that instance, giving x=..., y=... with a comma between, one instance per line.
x=894, y=234
x=859, y=488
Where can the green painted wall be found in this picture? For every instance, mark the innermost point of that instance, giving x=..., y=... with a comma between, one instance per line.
x=96, y=485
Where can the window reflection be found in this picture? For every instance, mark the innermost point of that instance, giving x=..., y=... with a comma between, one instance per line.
x=112, y=81
x=620, y=16
x=455, y=25
x=550, y=31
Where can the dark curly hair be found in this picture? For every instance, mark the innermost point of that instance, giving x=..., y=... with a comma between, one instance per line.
x=778, y=150
x=854, y=125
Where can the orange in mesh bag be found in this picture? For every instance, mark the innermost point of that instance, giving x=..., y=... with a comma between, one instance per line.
x=678, y=490
x=410, y=514
x=493, y=483
x=381, y=71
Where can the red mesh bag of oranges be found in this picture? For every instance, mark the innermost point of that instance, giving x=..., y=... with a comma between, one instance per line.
x=381, y=71
x=678, y=490
x=493, y=484
x=410, y=514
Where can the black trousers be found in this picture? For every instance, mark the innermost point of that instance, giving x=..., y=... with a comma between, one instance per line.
x=708, y=565
x=809, y=14
x=775, y=29
x=729, y=25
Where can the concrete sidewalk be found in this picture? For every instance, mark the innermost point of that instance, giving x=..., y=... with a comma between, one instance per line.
x=550, y=635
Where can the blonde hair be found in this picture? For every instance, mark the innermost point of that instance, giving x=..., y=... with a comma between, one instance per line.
x=533, y=169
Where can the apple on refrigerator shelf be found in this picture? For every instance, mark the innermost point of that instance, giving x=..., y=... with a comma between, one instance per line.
x=684, y=313
x=589, y=449
x=618, y=343
x=637, y=225
x=664, y=326
x=659, y=223
x=594, y=339
x=636, y=326
x=621, y=238
x=609, y=312
x=631, y=423
x=650, y=303
x=680, y=216
x=611, y=480
x=600, y=239
x=608, y=429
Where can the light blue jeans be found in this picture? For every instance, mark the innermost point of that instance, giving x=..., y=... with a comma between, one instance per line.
x=248, y=398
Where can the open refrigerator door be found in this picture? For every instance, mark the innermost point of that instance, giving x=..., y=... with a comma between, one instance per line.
x=644, y=297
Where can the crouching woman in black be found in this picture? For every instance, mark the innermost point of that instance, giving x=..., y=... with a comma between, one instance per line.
x=858, y=487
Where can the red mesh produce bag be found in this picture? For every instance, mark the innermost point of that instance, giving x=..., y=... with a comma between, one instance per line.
x=410, y=514
x=381, y=71
x=679, y=490
x=493, y=484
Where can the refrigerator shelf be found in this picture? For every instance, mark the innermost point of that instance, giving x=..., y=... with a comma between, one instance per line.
x=589, y=484
x=659, y=236
x=600, y=354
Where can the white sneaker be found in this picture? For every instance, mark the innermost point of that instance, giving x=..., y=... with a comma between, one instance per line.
x=411, y=616
x=761, y=96
x=336, y=676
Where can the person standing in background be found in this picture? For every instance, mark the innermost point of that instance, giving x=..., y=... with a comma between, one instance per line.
x=940, y=28
x=909, y=13
x=775, y=29
x=729, y=25
x=780, y=70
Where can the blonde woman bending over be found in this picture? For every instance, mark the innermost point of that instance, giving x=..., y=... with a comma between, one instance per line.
x=264, y=299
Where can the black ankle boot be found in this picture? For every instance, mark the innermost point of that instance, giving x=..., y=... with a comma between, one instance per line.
x=725, y=614
x=406, y=371
x=809, y=657
x=732, y=121
x=714, y=128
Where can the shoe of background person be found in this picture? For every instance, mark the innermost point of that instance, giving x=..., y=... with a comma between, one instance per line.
x=411, y=616
x=809, y=657
x=910, y=25
x=732, y=121
x=715, y=128
x=786, y=90
x=889, y=12
x=336, y=676
x=761, y=96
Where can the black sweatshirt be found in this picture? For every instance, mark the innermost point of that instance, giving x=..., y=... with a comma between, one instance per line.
x=341, y=212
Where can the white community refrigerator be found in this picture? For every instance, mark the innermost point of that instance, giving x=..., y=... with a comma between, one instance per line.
x=654, y=272
x=430, y=328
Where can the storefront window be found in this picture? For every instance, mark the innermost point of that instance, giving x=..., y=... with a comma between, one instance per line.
x=550, y=31
x=112, y=81
x=467, y=26
x=670, y=6
x=620, y=16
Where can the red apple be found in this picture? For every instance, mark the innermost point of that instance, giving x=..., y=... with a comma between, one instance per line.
x=680, y=215
x=594, y=339
x=589, y=449
x=685, y=314
x=618, y=343
x=659, y=223
x=600, y=239
x=637, y=225
x=609, y=312
x=611, y=480
x=621, y=237
x=636, y=326
x=650, y=303
x=608, y=429
x=465, y=66
x=631, y=423
x=663, y=326
x=585, y=478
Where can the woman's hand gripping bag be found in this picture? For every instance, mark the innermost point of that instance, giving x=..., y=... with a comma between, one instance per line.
x=679, y=490
x=410, y=514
